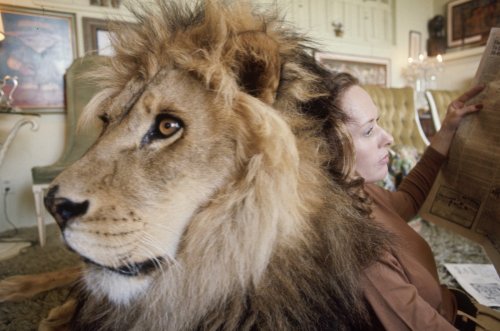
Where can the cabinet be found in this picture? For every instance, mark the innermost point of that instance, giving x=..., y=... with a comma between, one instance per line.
x=363, y=21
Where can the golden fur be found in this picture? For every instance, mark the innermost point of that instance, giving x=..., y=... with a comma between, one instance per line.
x=217, y=194
x=18, y=288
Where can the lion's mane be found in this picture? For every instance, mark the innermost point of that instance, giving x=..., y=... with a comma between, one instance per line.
x=281, y=245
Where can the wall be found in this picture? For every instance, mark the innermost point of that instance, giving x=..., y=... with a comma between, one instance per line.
x=43, y=147
x=314, y=18
x=440, y=7
x=460, y=63
x=409, y=15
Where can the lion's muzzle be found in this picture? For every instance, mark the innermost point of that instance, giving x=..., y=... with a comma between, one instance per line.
x=62, y=209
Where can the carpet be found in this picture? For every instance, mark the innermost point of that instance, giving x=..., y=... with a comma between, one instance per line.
x=25, y=315
x=11, y=248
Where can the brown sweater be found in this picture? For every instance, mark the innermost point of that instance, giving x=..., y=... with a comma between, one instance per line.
x=403, y=286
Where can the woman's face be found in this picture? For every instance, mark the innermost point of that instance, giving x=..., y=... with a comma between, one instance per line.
x=371, y=142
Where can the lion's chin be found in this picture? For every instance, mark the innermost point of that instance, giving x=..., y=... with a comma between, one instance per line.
x=117, y=287
x=131, y=269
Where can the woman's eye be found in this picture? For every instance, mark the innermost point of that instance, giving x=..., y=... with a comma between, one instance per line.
x=168, y=126
x=369, y=132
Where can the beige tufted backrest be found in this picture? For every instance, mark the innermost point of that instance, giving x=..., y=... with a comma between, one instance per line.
x=438, y=103
x=398, y=115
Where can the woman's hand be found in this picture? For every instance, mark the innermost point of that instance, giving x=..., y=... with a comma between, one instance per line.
x=456, y=111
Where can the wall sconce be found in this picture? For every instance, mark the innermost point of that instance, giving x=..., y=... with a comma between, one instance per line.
x=2, y=33
x=338, y=29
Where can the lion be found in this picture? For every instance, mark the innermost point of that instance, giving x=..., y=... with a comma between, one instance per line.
x=218, y=195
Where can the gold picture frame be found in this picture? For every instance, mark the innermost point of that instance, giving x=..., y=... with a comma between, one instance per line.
x=470, y=21
x=414, y=44
x=39, y=46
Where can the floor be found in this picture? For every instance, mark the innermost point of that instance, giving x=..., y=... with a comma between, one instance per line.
x=25, y=315
x=10, y=249
x=449, y=248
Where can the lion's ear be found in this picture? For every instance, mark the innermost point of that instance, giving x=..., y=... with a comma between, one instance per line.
x=258, y=65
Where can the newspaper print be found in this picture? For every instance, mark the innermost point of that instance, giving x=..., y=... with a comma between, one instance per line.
x=466, y=194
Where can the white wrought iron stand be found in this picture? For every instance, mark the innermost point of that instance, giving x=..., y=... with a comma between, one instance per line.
x=10, y=247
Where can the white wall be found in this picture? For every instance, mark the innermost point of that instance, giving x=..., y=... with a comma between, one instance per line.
x=409, y=15
x=440, y=7
x=44, y=146
x=460, y=68
x=28, y=149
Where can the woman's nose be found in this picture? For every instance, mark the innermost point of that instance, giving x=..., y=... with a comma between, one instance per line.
x=387, y=138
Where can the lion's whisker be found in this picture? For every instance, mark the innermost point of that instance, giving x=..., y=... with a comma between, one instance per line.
x=148, y=241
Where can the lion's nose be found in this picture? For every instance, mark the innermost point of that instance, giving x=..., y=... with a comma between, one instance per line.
x=63, y=209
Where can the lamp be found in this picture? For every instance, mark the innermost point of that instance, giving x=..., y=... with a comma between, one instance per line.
x=2, y=33
x=422, y=74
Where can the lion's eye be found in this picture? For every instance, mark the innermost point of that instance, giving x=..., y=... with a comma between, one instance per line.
x=165, y=126
x=104, y=119
x=168, y=126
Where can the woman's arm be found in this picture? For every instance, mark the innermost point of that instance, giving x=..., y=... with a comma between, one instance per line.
x=397, y=303
x=415, y=187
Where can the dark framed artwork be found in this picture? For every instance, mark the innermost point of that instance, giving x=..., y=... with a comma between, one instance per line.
x=96, y=37
x=470, y=21
x=414, y=44
x=368, y=70
x=39, y=46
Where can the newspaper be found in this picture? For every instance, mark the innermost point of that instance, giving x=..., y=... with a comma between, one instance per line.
x=466, y=194
x=479, y=280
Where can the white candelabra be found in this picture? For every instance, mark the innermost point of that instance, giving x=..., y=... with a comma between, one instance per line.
x=422, y=74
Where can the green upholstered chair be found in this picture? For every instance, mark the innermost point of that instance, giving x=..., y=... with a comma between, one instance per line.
x=438, y=104
x=398, y=115
x=78, y=92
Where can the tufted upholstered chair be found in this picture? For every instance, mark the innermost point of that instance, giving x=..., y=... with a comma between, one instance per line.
x=398, y=115
x=78, y=92
x=438, y=104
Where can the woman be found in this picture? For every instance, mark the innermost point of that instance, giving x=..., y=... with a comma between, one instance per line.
x=402, y=289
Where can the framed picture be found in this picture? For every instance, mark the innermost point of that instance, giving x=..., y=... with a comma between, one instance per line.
x=37, y=49
x=470, y=21
x=414, y=44
x=369, y=70
x=96, y=37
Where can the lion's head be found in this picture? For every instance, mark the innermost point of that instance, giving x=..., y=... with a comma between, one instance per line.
x=214, y=196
